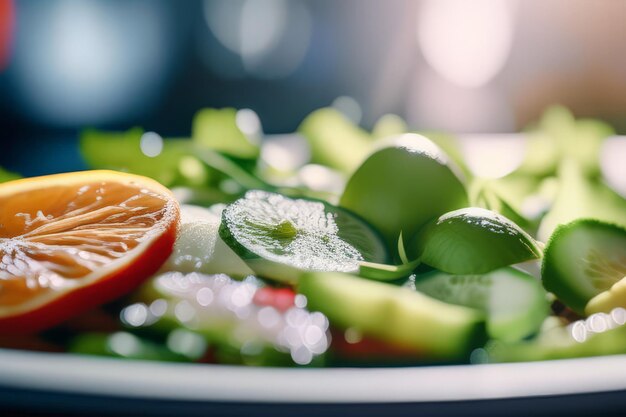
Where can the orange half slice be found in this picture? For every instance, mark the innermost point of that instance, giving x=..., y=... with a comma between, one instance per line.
x=70, y=242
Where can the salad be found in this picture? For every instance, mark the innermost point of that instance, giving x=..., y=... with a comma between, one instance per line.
x=333, y=246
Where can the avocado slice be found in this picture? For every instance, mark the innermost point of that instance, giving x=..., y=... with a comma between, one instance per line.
x=394, y=314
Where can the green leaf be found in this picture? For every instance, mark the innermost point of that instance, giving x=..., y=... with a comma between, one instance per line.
x=217, y=129
x=560, y=135
x=581, y=197
x=403, y=186
x=8, y=175
x=473, y=241
x=389, y=125
x=121, y=151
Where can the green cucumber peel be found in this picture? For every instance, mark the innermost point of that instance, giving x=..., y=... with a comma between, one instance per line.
x=280, y=237
x=514, y=302
x=473, y=240
x=583, y=259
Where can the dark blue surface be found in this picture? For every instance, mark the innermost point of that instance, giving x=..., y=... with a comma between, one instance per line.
x=18, y=402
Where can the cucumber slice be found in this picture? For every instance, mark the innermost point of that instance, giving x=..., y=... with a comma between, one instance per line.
x=583, y=259
x=514, y=302
x=394, y=314
x=403, y=186
x=473, y=241
x=280, y=237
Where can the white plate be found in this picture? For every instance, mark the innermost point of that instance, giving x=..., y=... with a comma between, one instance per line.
x=200, y=382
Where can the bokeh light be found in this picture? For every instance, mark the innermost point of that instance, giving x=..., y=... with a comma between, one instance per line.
x=82, y=62
x=466, y=42
x=270, y=37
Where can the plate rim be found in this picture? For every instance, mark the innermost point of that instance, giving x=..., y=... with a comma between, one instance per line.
x=76, y=374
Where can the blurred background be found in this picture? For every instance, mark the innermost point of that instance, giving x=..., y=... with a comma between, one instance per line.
x=451, y=65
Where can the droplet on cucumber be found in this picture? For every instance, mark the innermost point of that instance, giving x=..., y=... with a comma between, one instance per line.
x=279, y=237
x=514, y=302
x=473, y=241
x=582, y=260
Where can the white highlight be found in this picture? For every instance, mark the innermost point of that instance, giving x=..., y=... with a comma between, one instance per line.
x=466, y=42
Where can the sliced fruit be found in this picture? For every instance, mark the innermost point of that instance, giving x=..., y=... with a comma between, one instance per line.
x=583, y=259
x=70, y=242
x=403, y=186
x=279, y=237
x=394, y=314
x=473, y=241
x=199, y=248
x=514, y=302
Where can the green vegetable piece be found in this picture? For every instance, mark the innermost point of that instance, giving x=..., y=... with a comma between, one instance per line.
x=583, y=259
x=217, y=129
x=451, y=147
x=581, y=197
x=123, y=345
x=121, y=151
x=394, y=314
x=385, y=272
x=389, y=125
x=8, y=175
x=334, y=140
x=473, y=241
x=600, y=334
x=279, y=237
x=560, y=136
x=514, y=302
x=402, y=186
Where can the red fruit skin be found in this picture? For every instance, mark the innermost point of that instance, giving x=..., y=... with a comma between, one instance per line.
x=7, y=24
x=86, y=298
x=281, y=299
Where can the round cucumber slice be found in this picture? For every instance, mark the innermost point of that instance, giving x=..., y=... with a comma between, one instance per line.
x=583, y=259
x=402, y=186
x=473, y=241
x=394, y=314
x=514, y=302
x=280, y=237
